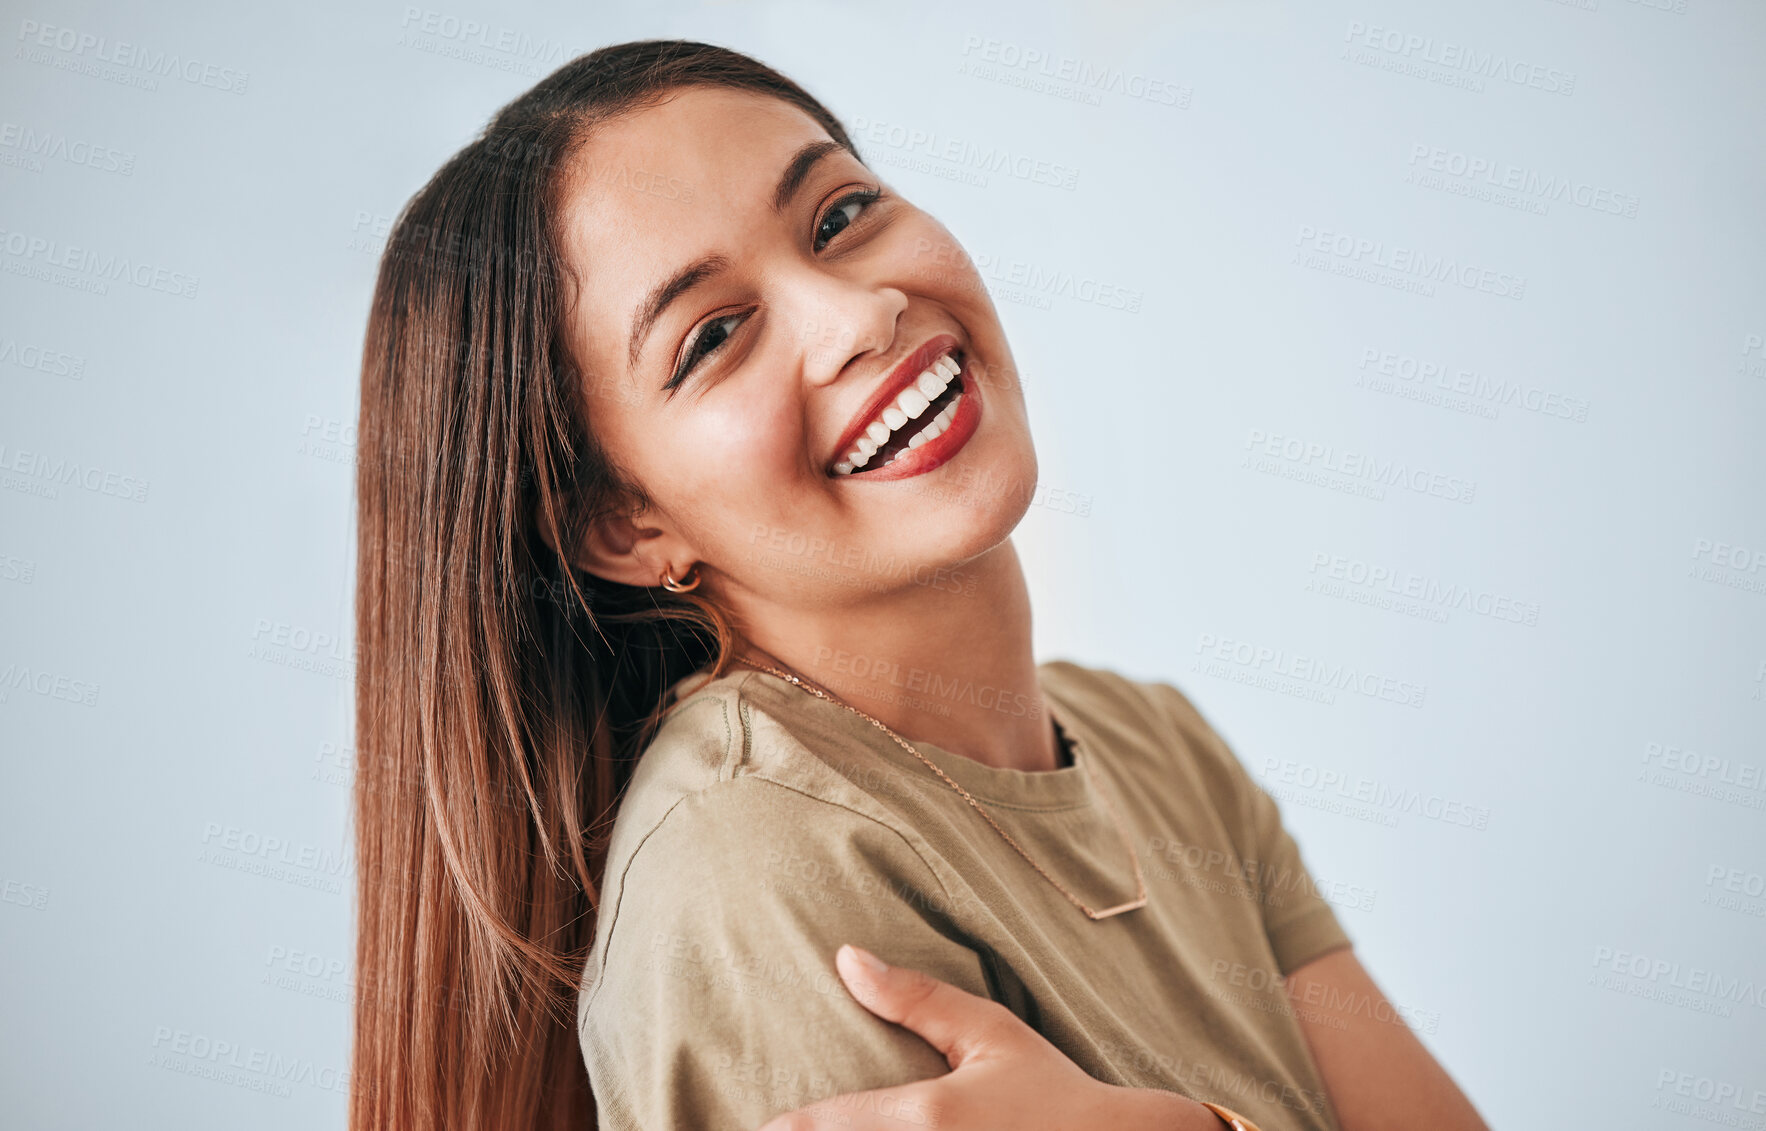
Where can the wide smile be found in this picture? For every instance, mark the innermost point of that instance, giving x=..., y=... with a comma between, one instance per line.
x=924, y=420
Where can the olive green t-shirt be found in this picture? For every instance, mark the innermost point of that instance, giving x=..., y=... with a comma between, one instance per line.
x=763, y=827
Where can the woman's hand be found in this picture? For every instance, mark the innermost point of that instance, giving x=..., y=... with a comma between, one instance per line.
x=1003, y=1073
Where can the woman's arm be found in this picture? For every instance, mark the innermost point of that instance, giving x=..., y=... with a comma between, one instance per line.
x=1378, y=1074
x=1004, y=1074
x=715, y=1003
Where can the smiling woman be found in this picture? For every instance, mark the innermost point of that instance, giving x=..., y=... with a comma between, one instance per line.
x=655, y=488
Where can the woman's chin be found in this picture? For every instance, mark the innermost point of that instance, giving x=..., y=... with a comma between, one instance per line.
x=971, y=504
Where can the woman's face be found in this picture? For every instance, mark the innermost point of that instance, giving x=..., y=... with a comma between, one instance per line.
x=745, y=310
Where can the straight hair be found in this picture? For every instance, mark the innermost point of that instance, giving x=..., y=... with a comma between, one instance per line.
x=502, y=695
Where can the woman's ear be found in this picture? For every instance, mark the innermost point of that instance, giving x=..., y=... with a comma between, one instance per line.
x=609, y=548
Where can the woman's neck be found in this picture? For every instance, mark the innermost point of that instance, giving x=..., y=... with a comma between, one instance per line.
x=947, y=660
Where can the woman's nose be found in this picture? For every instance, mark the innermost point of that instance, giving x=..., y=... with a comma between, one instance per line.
x=856, y=321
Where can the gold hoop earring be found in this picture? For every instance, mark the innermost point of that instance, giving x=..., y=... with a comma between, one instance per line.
x=682, y=586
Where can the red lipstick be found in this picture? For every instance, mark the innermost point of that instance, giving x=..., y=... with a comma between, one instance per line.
x=904, y=374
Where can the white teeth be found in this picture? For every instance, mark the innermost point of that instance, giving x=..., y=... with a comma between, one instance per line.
x=913, y=401
x=930, y=430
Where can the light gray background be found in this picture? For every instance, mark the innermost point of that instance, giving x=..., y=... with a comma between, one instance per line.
x=176, y=519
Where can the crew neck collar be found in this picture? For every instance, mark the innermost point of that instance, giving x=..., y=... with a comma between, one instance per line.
x=1061, y=788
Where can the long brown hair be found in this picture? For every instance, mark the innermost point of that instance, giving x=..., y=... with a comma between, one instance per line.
x=502, y=696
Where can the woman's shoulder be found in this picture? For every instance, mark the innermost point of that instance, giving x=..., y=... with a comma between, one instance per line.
x=1107, y=694
x=1097, y=686
x=734, y=753
x=742, y=725
x=734, y=816
x=1150, y=715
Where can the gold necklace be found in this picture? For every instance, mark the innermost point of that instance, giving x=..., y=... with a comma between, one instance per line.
x=1140, y=899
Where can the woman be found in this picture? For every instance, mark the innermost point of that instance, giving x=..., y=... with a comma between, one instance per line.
x=685, y=436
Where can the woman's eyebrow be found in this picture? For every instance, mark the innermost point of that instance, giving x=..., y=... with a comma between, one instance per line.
x=797, y=171
x=666, y=292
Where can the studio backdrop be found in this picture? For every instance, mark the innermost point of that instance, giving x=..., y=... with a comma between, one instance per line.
x=1397, y=374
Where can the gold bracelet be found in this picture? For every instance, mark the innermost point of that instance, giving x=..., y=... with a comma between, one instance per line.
x=1230, y=1117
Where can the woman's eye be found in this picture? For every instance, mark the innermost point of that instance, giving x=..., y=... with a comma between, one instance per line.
x=712, y=338
x=709, y=341
x=842, y=215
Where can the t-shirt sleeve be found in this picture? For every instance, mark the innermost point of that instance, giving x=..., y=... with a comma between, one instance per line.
x=1300, y=923
x=718, y=1004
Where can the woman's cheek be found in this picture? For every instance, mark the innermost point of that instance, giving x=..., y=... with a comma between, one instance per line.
x=932, y=258
x=748, y=441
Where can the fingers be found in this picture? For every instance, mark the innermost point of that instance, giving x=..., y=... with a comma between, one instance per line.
x=866, y=976
x=958, y=1024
